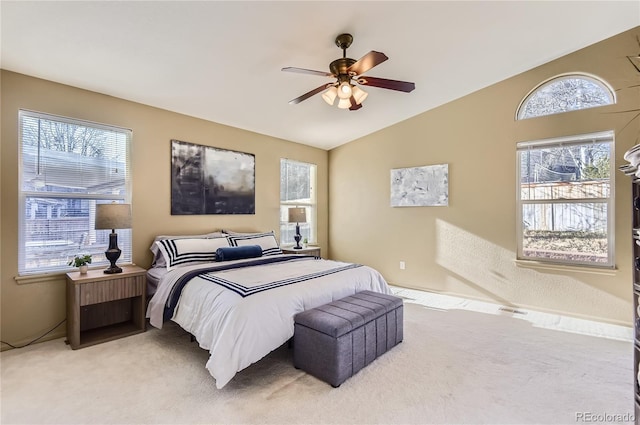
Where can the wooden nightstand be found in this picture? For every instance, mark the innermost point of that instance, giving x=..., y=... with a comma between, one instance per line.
x=311, y=250
x=102, y=307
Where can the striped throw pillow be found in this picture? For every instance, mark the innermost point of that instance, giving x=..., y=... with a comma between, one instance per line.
x=180, y=252
x=266, y=241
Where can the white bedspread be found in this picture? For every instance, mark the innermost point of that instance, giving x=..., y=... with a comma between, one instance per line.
x=239, y=331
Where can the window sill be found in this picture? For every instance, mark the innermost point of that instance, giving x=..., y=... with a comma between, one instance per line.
x=536, y=265
x=40, y=278
x=56, y=276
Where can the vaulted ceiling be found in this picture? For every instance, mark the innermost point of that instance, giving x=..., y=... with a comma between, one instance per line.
x=221, y=61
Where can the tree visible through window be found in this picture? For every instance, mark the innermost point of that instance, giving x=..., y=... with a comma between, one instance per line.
x=565, y=201
x=297, y=189
x=565, y=93
x=67, y=167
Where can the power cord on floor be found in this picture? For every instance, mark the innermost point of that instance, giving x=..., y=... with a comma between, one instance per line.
x=37, y=339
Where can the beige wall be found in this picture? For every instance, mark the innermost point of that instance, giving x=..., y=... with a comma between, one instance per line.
x=28, y=310
x=469, y=247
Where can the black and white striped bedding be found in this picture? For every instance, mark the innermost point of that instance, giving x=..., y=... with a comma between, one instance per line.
x=242, y=310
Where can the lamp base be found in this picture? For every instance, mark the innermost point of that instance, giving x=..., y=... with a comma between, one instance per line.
x=112, y=254
x=297, y=237
x=113, y=269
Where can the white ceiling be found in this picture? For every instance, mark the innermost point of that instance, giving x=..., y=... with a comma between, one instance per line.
x=221, y=61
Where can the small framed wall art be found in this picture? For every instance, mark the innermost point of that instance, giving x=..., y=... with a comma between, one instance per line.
x=426, y=186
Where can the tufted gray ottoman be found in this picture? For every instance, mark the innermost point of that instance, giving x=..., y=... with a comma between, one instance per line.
x=334, y=341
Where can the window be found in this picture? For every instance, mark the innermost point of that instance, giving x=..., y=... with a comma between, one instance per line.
x=297, y=189
x=565, y=200
x=68, y=166
x=565, y=93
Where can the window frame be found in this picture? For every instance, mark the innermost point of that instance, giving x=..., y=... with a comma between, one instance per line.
x=574, y=75
x=581, y=139
x=125, y=237
x=312, y=205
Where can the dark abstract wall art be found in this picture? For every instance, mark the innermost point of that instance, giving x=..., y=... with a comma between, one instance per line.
x=208, y=180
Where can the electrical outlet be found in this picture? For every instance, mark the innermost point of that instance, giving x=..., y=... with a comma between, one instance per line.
x=402, y=265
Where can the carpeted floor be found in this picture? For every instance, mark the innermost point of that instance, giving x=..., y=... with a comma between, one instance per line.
x=454, y=366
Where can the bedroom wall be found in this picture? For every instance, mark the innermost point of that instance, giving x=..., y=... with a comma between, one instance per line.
x=469, y=247
x=28, y=310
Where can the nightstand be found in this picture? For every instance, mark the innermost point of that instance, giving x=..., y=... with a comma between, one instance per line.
x=311, y=250
x=102, y=307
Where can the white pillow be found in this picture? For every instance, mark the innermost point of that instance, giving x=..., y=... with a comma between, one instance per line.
x=267, y=242
x=180, y=252
x=158, y=258
x=233, y=232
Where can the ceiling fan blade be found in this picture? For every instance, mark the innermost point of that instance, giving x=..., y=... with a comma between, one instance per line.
x=383, y=83
x=307, y=71
x=354, y=105
x=367, y=62
x=309, y=94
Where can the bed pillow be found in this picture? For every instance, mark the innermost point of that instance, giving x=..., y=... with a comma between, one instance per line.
x=266, y=241
x=234, y=232
x=180, y=252
x=158, y=258
x=238, y=252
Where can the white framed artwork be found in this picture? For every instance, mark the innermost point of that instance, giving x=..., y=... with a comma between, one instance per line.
x=426, y=186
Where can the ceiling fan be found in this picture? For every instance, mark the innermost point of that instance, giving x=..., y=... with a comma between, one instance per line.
x=347, y=73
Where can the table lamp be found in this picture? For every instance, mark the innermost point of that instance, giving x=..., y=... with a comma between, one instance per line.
x=297, y=215
x=113, y=216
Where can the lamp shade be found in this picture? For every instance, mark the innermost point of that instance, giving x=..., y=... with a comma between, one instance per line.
x=344, y=90
x=297, y=215
x=113, y=216
x=359, y=95
x=344, y=103
x=330, y=95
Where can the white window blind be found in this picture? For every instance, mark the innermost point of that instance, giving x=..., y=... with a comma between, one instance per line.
x=566, y=201
x=297, y=189
x=66, y=167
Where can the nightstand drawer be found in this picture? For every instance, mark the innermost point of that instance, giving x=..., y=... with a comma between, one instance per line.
x=113, y=289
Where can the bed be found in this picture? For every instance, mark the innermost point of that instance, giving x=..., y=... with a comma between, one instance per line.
x=240, y=307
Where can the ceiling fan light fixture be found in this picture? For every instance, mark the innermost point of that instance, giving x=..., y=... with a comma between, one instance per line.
x=347, y=73
x=344, y=104
x=330, y=95
x=359, y=95
x=345, y=90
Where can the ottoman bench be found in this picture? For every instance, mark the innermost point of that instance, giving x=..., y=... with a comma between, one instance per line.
x=334, y=341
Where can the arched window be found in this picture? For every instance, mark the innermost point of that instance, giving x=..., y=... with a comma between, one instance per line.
x=564, y=93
